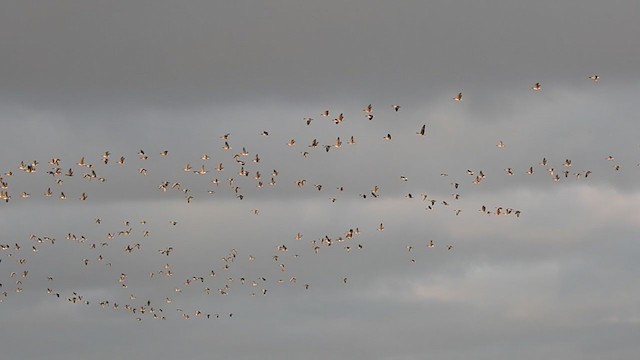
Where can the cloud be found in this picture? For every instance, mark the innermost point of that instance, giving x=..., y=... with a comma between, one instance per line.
x=79, y=79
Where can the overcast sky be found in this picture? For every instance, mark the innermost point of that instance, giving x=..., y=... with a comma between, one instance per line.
x=548, y=269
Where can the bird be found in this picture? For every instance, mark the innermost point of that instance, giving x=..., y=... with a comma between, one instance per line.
x=594, y=77
x=105, y=157
x=458, y=97
x=536, y=87
x=422, y=130
x=202, y=170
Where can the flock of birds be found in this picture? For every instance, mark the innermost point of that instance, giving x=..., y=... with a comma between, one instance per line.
x=235, y=171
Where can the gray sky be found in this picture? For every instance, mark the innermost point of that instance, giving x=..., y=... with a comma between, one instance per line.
x=80, y=78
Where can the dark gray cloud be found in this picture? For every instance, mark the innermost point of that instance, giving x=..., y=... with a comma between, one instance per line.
x=73, y=54
x=79, y=79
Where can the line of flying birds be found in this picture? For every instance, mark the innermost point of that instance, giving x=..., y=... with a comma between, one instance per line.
x=131, y=240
